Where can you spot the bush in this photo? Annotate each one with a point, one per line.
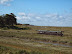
(22, 52)
(5, 28)
(26, 28)
(33, 52)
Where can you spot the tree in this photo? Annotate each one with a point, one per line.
(14, 18)
(1, 21)
(10, 19)
(7, 19)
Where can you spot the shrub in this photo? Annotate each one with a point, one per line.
(5, 28)
(22, 52)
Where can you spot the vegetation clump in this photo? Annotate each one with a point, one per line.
(7, 50)
(8, 20)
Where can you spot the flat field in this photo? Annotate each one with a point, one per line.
(29, 42)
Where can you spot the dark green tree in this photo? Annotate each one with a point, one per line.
(1, 21)
(14, 18)
(10, 19)
(6, 19)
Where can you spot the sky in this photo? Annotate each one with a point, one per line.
(39, 12)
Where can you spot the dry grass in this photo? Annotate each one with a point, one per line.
(26, 39)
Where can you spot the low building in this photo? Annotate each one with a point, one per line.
(50, 32)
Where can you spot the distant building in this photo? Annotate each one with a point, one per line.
(19, 24)
(26, 24)
(50, 32)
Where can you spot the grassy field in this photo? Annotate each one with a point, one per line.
(29, 42)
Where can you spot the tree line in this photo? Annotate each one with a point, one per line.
(8, 20)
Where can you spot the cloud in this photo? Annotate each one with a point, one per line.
(21, 14)
(5, 2)
(38, 17)
(51, 19)
(18, 18)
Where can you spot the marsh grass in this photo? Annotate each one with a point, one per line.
(25, 39)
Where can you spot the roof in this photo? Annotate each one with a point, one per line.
(48, 31)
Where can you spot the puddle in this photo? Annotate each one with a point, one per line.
(54, 44)
(57, 44)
